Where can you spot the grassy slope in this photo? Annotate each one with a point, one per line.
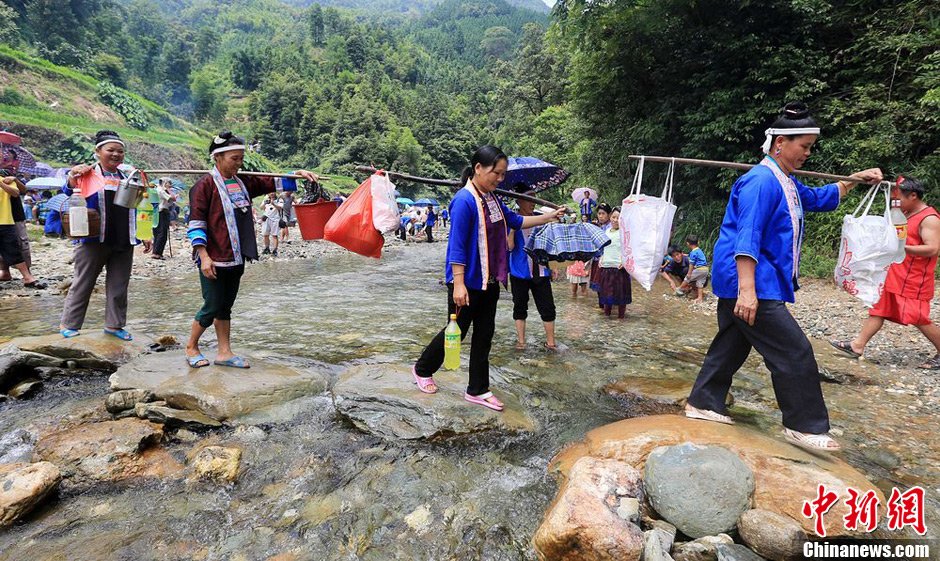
(57, 102)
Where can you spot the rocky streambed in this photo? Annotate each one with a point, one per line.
(324, 449)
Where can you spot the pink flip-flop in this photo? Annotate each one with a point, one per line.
(486, 400)
(424, 383)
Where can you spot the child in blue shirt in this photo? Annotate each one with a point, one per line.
(697, 276)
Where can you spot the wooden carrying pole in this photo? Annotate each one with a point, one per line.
(742, 167)
(206, 171)
(454, 183)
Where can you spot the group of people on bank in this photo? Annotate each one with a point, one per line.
(755, 269)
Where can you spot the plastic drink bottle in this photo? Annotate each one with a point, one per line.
(78, 216)
(145, 220)
(898, 219)
(452, 344)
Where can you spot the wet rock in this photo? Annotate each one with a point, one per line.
(701, 490)
(217, 463)
(16, 446)
(218, 392)
(772, 535)
(249, 433)
(25, 389)
(91, 349)
(123, 400)
(176, 418)
(107, 451)
(23, 486)
(420, 519)
(737, 552)
(668, 391)
(629, 509)
(383, 400)
(184, 435)
(702, 549)
(784, 475)
(582, 523)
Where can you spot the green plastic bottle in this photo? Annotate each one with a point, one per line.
(452, 344)
(144, 220)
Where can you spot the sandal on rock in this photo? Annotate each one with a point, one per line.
(234, 362)
(69, 333)
(706, 415)
(931, 364)
(811, 442)
(120, 334)
(846, 347)
(426, 385)
(486, 400)
(197, 361)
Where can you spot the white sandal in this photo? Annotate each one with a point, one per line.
(706, 415)
(812, 442)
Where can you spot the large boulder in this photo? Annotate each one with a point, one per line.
(23, 486)
(91, 349)
(784, 476)
(701, 490)
(771, 535)
(218, 392)
(583, 523)
(383, 400)
(107, 451)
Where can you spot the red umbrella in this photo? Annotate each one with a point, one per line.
(9, 138)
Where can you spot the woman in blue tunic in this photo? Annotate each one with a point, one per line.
(477, 263)
(755, 271)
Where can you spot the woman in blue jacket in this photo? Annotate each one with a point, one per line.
(755, 271)
(477, 263)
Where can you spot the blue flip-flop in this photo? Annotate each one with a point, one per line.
(234, 362)
(120, 334)
(69, 333)
(195, 360)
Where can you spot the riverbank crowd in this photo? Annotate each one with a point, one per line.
(753, 269)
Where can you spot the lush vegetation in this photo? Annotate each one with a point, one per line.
(415, 85)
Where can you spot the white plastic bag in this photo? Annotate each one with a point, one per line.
(645, 226)
(869, 246)
(385, 215)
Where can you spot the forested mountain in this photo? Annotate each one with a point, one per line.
(416, 85)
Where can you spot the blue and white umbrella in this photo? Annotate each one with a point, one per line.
(58, 203)
(45, 183)
(427, 202)
(404, 201)
(535, 173)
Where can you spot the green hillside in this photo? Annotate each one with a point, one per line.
(57, 111)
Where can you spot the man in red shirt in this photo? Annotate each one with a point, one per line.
(909, 287)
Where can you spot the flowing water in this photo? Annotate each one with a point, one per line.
(313, 485)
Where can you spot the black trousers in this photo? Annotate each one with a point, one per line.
(161, 232)
(541, 288)
(402, 233)
(481, 313)
(787, 353)
(219, 295)
(429, 231)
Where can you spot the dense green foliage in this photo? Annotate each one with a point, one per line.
(124, 104)
(415, 85)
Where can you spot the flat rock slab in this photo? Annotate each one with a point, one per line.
(383, 400)
(218, 392)
(91, 349)
(669, 391)
(784, 476)
(23, 486)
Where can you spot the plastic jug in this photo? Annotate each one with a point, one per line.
(78, 216)
(452, 344)
(145, 221)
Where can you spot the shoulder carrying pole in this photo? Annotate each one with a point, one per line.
(742, 167)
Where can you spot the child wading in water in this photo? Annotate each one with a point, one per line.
(579, 273)
(614, 281)
(698, 270)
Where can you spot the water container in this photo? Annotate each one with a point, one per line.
(145, 221)
(78, 216)
(452, 344)
(130, 191)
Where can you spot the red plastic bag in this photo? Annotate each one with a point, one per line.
(351, 225)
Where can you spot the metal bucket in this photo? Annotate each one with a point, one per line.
(130, 191)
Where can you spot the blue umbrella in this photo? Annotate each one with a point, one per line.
(535, 173)
(404, 201)
(44, 183)
(427, 202)
(59, 203)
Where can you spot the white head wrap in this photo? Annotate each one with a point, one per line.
(771, 133)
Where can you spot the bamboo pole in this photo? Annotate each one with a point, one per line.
(206, 171)
(454, 183)
(742, 167)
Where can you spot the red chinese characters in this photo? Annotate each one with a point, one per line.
(904, 509)
(820, 506)
(907, 509)
(863, 509)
